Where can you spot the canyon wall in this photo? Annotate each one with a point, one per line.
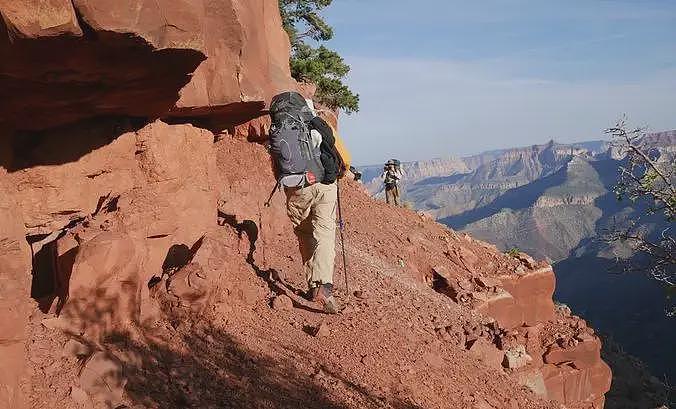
(83, 86)
(132, 188)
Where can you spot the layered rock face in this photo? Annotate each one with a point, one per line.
(131, 206)
(89, 175)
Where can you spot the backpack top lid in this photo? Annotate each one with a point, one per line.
(291, 103)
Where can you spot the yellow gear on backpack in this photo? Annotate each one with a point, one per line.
(342, 151)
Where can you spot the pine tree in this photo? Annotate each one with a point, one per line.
(318, 65)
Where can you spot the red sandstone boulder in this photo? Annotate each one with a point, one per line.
(39, 18)
(532, 293)
(568, 385)
(582, 355)
(487, 353)
(174, 194)
(105, 287)
(164, 24)
(161, 176)
(52, 197)
(501, 306)
(189, 286)
(248, 61)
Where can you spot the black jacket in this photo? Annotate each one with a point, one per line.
(330, 159)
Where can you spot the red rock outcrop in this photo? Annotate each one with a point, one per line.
(553, 353)
(248, 62)
(111, 62)
(63, 63)
(137, 58)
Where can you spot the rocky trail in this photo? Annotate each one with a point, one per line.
(382, 351)
(136, 247)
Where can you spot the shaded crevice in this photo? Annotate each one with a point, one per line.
(50, 272)
(44, 267)
(106, 204)
(87, 31)
(178, 256)
(248, 227)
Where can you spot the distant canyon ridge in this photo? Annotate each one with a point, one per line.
(544, 199)
(552, 201)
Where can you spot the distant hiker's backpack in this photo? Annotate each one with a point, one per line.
(297, 158)
(390, 178)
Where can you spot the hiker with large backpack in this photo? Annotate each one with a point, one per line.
(307, 165)
(391, 176)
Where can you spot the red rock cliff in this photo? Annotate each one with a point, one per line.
(135, 245)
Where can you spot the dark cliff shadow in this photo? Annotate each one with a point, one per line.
(220, 118)
(51, 81)
(518, 198)
(68, 143)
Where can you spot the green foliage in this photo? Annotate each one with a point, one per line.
(320, 66)
(513, 252)
(306, 13)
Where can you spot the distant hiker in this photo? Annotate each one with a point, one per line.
(308, 164)
(391, 176)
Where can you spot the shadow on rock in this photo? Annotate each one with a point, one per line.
(197, 365)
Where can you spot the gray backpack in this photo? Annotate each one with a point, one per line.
(297, 160)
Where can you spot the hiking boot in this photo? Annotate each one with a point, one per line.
(323, 295)
(311, 294)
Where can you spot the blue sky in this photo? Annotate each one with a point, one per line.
(451, 78)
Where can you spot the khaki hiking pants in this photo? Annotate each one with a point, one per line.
(392, 195)
(312, 211)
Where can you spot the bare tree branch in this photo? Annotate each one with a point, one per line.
(650, 183)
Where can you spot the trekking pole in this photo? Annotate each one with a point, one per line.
(272, 193)
(341, 227)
